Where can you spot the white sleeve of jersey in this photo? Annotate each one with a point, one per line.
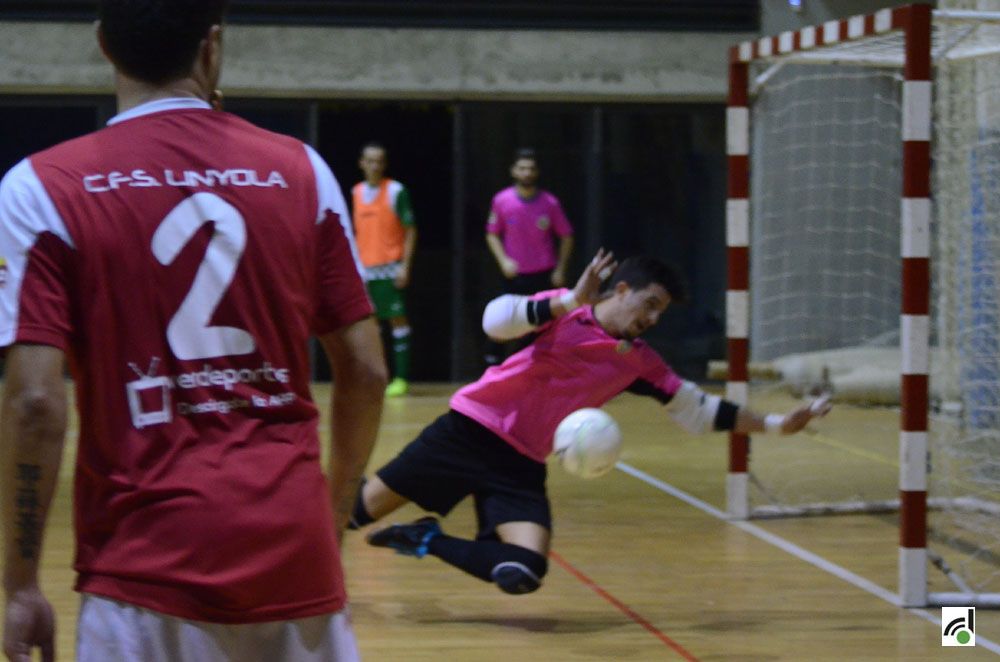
(506, 317)
(332, 198)
(693, 409)
(26, 211)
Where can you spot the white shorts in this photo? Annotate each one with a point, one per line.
(113, 631)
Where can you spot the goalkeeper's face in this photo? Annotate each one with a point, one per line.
(633, 312)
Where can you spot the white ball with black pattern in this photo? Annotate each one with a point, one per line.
(588, 443)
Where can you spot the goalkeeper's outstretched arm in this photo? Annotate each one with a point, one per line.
(511, 316)
(700, 412)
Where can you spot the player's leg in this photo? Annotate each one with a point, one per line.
(530, 535)
(515, 557)
(391, 307)
(515, 568)
(400, 350)
(513, 512)
(425, 472)
(375, 500)
(515, 524)
(522, 571)
(388, 305)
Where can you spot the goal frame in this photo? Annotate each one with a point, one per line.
(914, 22)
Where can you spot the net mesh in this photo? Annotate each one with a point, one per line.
(825, 281)
(966, 453)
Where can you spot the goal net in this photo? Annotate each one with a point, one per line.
(832, 241)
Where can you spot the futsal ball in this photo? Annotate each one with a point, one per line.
(587, 443)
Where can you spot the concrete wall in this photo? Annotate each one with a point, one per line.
(382, 63)
(327, 62)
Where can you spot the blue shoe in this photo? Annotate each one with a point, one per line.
(409, 539)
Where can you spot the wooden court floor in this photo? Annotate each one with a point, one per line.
(642, 568)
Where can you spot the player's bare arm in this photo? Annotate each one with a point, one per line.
(748, 421)
(565, 251)
(32, 431)
(511, 316)
(358, 364)
(699, 412)
(508, 266)
(409, 248)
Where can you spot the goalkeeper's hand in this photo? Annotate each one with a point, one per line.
(796, 420)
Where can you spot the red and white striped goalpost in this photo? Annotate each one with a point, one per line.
(915, 212)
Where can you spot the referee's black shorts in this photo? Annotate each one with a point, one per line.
(456, 456)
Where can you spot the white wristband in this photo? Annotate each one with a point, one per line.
(569, 301)
(773, 423)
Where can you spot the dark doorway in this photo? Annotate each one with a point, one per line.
(31, 126)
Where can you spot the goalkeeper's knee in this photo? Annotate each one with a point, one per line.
(521, 573)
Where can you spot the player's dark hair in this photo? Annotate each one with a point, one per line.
(640, 271)
(156, 41)
(525, 153)
(374, 144)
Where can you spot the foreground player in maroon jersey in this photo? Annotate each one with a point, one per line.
(180, 258)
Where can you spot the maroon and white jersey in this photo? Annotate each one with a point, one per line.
(182, 257)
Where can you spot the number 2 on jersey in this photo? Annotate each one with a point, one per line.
(189, 333)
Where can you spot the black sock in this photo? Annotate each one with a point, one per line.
(476, 557)
(359, 515)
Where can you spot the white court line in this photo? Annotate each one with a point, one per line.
(793, 549)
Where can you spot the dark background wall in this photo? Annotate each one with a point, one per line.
(732, 15)
(633, 179)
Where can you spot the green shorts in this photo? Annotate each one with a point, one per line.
(387, 298)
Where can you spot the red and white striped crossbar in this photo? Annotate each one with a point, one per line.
(915, 23)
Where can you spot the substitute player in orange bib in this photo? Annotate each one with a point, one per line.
(180, 259)
(387, 237)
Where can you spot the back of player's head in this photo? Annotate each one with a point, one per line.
(156, 41)
(525, 153)
(640, 271)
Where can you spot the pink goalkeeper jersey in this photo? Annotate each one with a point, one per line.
(528, 228)
(573, 363)
(182, 257)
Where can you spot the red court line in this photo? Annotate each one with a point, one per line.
(622, 607)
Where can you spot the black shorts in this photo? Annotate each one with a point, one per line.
(454, 457)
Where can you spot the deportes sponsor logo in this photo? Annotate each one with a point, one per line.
(543, 223)
(229, 377)
(958, 626)
(150, 399)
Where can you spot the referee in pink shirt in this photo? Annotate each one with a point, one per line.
(521, 232)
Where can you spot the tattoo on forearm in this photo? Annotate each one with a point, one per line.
(29, 533)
